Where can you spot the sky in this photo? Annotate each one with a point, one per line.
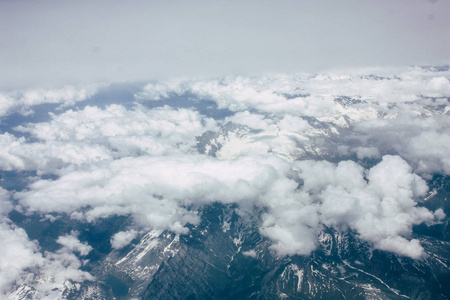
(52, 43)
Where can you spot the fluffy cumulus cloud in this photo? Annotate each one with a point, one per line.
(312, 95)
(19, 154)
(23, 266)
(423, 141)
(381, 209)
(366, 152)
(72, 243)
(123, 238)
(5, 205)
(271, 150)
(156, 190)
(398, 111)
(17, 254)
(92, 123)
(292, 226)
(22, 102)
(93, 134)
(158, 193)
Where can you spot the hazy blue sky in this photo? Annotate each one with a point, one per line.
(57, 42)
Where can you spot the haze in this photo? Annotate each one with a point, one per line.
(48, 43)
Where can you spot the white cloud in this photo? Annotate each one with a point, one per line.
(366, 152)
(396, 111)
(133, 185)
(123, 238)
(9, 147)
(19, 154)
(22, 102)
(318, 175)
(157, 192)
(278, 93)
(430, 150)
(382, 210)
(251, 253)
(59, 267)
(292, 226)
(401, 246)
(374, 93)
(93, 123)
(5, 205)
(93, 134)
(17, 254)
(143, 162)
(22, 264)
(422, 140)
(252, 120)
(403, 88)
(72, 243)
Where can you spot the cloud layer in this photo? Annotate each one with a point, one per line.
(343, 151)
(22, 101)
